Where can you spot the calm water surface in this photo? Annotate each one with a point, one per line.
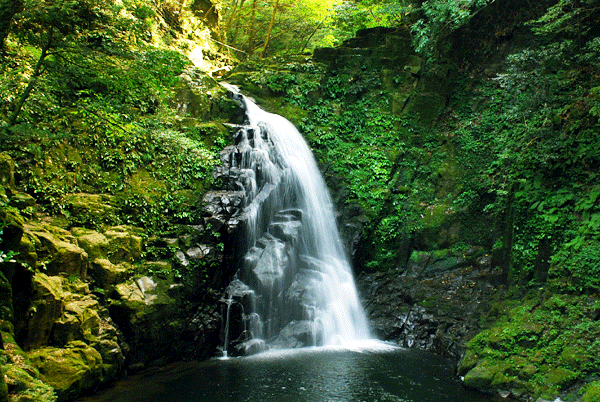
(384, 374)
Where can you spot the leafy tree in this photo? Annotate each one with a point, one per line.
(439, 18)
(277, 26)
(55, 28)
(8, 9)
(270, 31)
(353, 15)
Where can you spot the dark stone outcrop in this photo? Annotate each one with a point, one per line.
(435, 304)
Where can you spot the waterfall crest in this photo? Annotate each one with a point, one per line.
(294, 286)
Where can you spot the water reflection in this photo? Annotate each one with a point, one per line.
(315, 375)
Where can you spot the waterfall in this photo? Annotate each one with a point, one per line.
(294, 284)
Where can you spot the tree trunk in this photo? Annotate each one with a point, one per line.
(311, 35)
(508, 238)
(264, 51)
(37, 71)
(231, 16)
(252, 22)
(237, 24)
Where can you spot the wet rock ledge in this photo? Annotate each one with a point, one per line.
(437, 303)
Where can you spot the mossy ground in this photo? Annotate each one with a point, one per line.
(543, 347)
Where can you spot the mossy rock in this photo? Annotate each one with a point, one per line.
(13, 352)
(95, 244)
(200, 96)
(505, 381)
(161, 269)
(482, 375)
(426, 106)
(3, 387)
(448, 174)
(80, 321)
(58, 247)
(21, 377)
(112, 355)
(91, 210)
(144, 291)
(7, 171)
(47, 306)
(439, 228)
(105, 273)
(468, 361)
(125, 244)
(144, 183)
(21, 200)
(27, 250)
(574, 356)
(70, 370)
(414, 64)
(207, 133)
(592, 392)
(148, 316)
(23, 387)
(427, 264)
(561, 377)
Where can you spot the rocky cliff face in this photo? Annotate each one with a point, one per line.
(441, 277)
(437, 303)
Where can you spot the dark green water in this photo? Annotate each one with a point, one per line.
(300, 376)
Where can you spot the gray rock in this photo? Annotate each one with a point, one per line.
(299, 334)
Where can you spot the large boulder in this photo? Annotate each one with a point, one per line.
(125, 244)
(95, 244)
(200, 96)
(120, 240)
(80, 321)
(63, 313)
(91, 209)
(147, 311)
(70, 370)
(47, 306)
(7, 171)
(59, 249)
(105, 273)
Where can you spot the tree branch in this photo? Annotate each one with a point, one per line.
(37, 72)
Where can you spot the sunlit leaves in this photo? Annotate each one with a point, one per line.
(297, 25)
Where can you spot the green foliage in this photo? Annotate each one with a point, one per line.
(579, 267)
(440, 19)
(6, 256)
(297, 26)
(359, 139)
(351, 16)
(99, 118)
(529, 147)
(567, 17)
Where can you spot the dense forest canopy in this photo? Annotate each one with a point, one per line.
(111, 63)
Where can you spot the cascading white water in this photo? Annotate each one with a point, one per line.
(302, 288)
